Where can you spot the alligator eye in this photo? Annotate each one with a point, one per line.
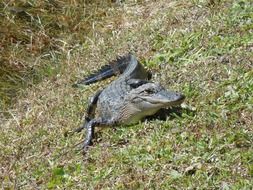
(149, 91)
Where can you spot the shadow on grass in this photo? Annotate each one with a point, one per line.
(171, 113)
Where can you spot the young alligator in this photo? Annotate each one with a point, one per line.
(126, 100)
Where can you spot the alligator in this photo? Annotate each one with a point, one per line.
(126, 100)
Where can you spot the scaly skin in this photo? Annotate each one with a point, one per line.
(126, 100)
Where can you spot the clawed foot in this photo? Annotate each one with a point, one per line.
(85, 147)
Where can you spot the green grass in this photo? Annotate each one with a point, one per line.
(200, 48)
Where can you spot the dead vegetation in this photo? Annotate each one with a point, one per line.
(202, 48)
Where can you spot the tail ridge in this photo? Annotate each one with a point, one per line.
(113, 68)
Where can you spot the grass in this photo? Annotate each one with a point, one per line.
(201, 48)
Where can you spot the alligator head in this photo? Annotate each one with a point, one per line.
(147, 99)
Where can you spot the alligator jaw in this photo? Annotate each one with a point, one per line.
(165, 98)
(154, 96)
(146, 100)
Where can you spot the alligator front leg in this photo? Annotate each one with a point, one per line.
(90, 112)
(90, 126)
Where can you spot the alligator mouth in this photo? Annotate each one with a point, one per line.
(165, 101)
(178, 101)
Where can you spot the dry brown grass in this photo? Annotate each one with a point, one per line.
(192, 151)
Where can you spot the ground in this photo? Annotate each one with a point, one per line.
(202, 48)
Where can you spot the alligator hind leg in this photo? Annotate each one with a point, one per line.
(90, 128)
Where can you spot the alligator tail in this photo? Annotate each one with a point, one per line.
(114, 68)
